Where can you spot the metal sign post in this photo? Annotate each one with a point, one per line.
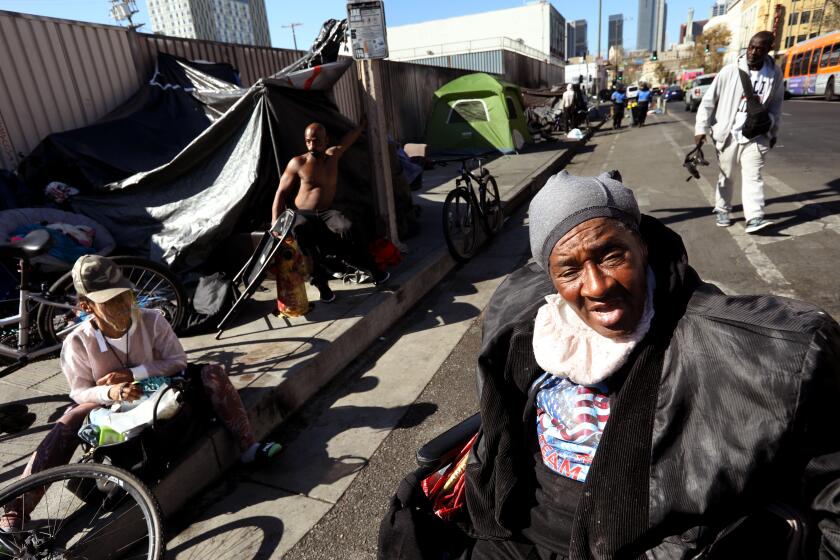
(369, 44)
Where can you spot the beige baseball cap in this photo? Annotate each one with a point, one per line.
(98, 278)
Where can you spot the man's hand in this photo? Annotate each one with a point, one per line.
(700, 139)
(115, 377)
(124, 392)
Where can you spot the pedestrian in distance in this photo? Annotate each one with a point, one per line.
(631, 410)
(104, 360)
(568, 102)
(619, 99)
(741, 111)
(309, 185)
(643, 103)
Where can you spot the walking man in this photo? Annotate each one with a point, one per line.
(723, 113)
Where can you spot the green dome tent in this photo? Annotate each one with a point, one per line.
(477, 113)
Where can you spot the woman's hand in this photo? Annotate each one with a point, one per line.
(117, 376)
(124, 392)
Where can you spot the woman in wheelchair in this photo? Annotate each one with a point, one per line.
(629, 409)
(105, 357)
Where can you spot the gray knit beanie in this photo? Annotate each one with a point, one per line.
(566, 201)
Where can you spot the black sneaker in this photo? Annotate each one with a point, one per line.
(381, 277)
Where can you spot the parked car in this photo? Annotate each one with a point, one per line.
(656, 91)
(632, 92)
(695, 91)
(674, 93)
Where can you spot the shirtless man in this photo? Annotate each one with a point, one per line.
(318, 228)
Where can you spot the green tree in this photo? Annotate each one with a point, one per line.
(661, 73)
(716, 37)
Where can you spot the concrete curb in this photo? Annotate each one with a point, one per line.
(215, 453)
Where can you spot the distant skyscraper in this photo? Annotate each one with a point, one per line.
(653, 17)
(615, 37)
(227, 21)
(576, 38)
(719, 8)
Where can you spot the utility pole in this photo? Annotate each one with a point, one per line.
(292, 27)
(599, 28)
(369, 45)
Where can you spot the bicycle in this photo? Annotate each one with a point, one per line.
(463, 210)
(87, 510)
(55, 310)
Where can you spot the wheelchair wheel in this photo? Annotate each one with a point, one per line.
(124, 521)
(460, 227)
(155, 287)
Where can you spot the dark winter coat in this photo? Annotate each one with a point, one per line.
(730, 403)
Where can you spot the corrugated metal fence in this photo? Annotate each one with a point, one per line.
(58, 75)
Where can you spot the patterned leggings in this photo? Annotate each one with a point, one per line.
(60, 442)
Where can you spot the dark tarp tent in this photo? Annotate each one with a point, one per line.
(176, 105)
(174, 179)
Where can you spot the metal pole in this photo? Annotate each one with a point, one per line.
(599, 28)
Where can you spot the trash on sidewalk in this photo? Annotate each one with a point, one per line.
(575, 134)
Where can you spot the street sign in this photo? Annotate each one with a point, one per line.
(368, 38)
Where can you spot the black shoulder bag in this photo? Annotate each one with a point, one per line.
(758, 117)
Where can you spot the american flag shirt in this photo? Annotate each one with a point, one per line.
(570, 421)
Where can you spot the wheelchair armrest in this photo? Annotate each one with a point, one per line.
(444, 447)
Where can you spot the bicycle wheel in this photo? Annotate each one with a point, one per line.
(155, 287)
(492, 210)
(459, 225)
(123, 521)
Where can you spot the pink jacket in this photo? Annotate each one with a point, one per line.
(153, 349)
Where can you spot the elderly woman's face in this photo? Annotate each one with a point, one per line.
(599, 269)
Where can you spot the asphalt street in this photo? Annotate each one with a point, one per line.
(797, 257)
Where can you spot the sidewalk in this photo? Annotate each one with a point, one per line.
(275, 364)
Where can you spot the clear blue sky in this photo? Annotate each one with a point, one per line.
(312, 13)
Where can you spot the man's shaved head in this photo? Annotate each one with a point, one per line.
(316, 128)
(764, 37)
(316, 139)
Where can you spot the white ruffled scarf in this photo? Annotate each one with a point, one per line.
(565, 346)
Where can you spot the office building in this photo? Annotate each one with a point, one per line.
(653, 17)
(615, 35)
(719, 9)
(226, 21)
(576, 38)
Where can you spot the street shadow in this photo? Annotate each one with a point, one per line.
(252, 538)
(814, 207)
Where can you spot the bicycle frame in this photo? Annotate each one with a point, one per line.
(467, 177)
(23, 320)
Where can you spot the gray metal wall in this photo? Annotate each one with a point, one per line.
(58, 75)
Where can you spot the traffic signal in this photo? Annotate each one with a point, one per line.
(654, 56)
(707, 51)
(620, 76)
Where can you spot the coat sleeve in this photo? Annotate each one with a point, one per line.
(76, 366)
(169, 355)
(706, 109)
(819, 407)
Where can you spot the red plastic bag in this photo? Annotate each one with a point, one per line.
(384, 253)
(445, 488)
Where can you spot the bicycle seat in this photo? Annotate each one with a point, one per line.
(36, 242)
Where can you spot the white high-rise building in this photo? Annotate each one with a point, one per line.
(226, 21)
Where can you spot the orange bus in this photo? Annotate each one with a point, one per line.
(812, 67)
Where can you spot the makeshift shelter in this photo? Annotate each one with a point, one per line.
(179, 102)
(477, 113)
(207, 156)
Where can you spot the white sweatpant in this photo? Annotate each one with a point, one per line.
(750, 158)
